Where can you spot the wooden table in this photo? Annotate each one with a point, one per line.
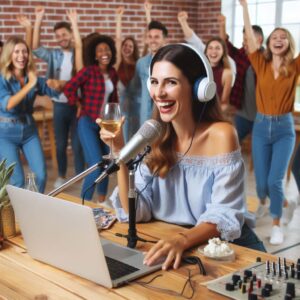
(21, 277)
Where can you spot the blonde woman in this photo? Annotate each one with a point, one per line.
(273, 136)
(19, 85)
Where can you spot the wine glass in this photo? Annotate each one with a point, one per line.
(111, 121)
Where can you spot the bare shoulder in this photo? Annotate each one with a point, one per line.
(227, 72)
(222, 138)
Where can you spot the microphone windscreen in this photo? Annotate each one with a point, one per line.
(150, 130)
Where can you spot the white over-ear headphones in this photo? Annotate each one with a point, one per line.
(204, 88)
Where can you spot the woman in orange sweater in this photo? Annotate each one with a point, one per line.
(273, 135)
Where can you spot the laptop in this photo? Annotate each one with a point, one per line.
(64, 234)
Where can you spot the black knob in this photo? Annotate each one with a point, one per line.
(229, 286)
(258, 259)
(293, 272)
(265, 292)
(269, 286)
(236, 278)
(248, 273)
(290, 289)
(252, 297)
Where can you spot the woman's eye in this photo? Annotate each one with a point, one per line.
(153, 81)
(172, 82)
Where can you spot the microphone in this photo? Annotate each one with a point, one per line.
(149, 132)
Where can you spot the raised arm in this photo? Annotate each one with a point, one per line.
(119, 14)
(73, 17)
(189, 34)
(222, 27)
(20, 95)
(183, 21)
(39, 14)
(25, 22)
(251, 43)
(148, 9)
(227, 84)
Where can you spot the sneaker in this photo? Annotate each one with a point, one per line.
(59, 181)
(288, 212)
(276, 235)
(261, 210)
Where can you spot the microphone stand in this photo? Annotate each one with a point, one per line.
(132, 236)
(101, 164)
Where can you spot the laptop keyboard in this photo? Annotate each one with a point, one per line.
(118, 269)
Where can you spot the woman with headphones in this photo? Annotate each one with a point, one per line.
(194, 175)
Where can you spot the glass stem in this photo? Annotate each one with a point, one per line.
(111, 150)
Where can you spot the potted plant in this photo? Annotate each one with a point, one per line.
(7, 216)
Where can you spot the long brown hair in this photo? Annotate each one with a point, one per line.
(224, 59)
(163, 155)
(6, 66)
(135, 54)
(287, 57)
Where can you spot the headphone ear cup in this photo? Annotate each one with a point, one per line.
(203, 89)
(148, 84)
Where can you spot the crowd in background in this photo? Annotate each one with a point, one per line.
(255, 88)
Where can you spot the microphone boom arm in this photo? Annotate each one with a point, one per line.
(77, 178)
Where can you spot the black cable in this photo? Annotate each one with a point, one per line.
(147, 285)
(181, 158)
(85, 191)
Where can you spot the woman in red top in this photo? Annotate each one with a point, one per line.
(216, 52)
(98, 84)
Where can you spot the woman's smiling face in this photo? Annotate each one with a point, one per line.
(19, 56)
(170, 91)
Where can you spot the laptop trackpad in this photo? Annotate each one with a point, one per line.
(117, 252)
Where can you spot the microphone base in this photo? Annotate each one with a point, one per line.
(132, 239)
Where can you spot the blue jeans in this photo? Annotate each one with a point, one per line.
(273, 140)
(64, 118)
(16, 137)
(249, 239)
(296, 167)
(93, 149)
(243, 127)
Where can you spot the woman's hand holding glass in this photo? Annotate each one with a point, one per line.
(113, 139)
(110, 123)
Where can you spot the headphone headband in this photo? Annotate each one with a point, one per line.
(204, 88)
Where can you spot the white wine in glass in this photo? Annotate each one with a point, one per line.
(111, 125)
(111, 121)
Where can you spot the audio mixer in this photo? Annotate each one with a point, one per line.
(274, 280)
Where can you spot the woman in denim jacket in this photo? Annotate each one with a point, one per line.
(19, 86)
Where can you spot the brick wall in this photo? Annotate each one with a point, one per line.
(99, 16)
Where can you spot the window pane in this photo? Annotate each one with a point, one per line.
(290, 12)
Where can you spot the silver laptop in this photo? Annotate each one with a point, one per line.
(64, 234)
